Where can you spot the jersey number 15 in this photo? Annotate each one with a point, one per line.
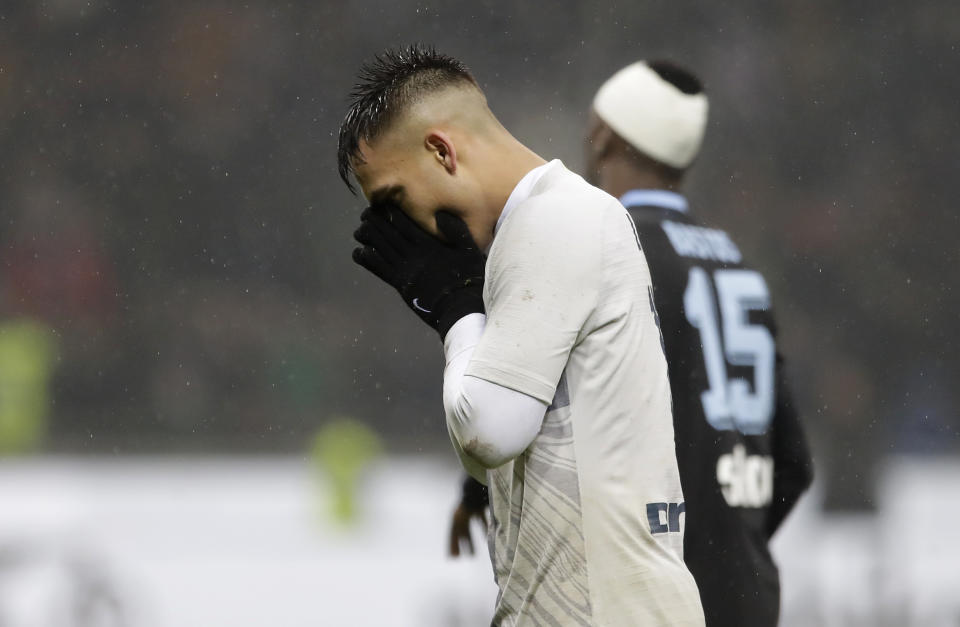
(728, 337)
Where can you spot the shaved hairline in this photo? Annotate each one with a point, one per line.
(415, 116)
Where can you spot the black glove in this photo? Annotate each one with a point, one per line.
(474, 495)
(440, 281)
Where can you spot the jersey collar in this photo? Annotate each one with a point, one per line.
(523, 190)
(655, 198)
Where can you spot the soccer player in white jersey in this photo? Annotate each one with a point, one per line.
(555, 388)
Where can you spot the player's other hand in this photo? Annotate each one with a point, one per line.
(441, 281)
(474, 500)
(460, 527)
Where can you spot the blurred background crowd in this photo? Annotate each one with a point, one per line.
(175, 270)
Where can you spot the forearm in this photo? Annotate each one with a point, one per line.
(791, 452)
(489, 423)
(789, 484)
(793, 474)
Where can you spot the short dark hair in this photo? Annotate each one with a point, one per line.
(679, 77)
(384, 88)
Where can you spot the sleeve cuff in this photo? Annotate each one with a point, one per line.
(521, 382)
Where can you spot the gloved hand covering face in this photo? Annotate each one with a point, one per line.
(441, 281)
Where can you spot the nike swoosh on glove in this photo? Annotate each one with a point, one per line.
(441, 281)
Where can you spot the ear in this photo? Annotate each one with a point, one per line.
(441, 147)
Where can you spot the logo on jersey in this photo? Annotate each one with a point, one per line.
(745, 480)
(665, 517)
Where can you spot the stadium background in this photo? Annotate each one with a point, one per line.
(176, 290)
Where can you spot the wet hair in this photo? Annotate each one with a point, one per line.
(385, 87)
(681, 78)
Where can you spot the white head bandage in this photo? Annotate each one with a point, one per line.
(652, 115)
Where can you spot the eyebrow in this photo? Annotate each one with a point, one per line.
(392, 194)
